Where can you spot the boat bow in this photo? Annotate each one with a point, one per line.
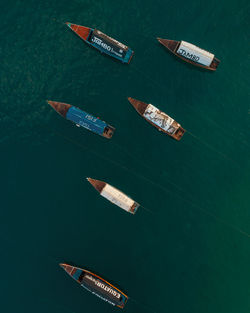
(169, 44)
(97, 184)
(138, 105)
(67, 268)
(59, 107)
(81, 31)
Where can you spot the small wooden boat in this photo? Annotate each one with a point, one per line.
(158, 119)
(114, 195)
(191, 53)
(97, 285)
(103, 43)
(83, 119)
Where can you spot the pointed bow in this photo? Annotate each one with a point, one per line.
(138, 105)
(81, 31)
(169, 44)
(97, 184)
(59, 107)
(68, 268)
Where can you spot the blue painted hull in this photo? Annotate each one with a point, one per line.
(83, 119)
(103, 43)
(104, 49)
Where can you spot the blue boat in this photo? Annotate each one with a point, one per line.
(102, 42)
(83, 119)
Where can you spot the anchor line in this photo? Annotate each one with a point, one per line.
(194, 205)
(204, 117)
(143, 305)
(147, 166)
(148, 210)
(212, 148)
(156, 184)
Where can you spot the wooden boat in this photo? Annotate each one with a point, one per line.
(97, 285)
(103, 43)
(158, 119)
(114, 195)
(83, 119)
(191, 53)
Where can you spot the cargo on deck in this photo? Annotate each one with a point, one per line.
(158, 119)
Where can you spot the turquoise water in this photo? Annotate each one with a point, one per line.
(191, 255)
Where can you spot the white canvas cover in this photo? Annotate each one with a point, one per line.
(117, 197)
(195, 54)
(160, 119)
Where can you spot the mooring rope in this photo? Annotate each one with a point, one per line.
(147, 307)
(194, 205)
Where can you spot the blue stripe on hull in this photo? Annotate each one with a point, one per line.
(86, 120)
(77, 274)
(126, 58)
(123, 60)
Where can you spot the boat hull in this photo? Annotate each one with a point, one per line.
(141, 108)
(96, 285)
(103, 43)
(83, 119)
(172, 45)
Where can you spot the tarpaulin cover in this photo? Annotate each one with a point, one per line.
(117, 197)
(195, 54)
(86, 120)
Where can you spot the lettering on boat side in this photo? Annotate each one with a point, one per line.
(99, 42)
(188, 55)
(94, 293)
(109, 44)
(103, 286)
(103, 298)
(91, 118)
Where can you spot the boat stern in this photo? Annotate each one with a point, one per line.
(179, 133)
(134, 208)
(128, 56)
(108, 132)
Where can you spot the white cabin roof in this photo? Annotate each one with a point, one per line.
(117, 197)
(195, 53)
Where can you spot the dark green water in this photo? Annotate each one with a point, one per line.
(192, 254)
